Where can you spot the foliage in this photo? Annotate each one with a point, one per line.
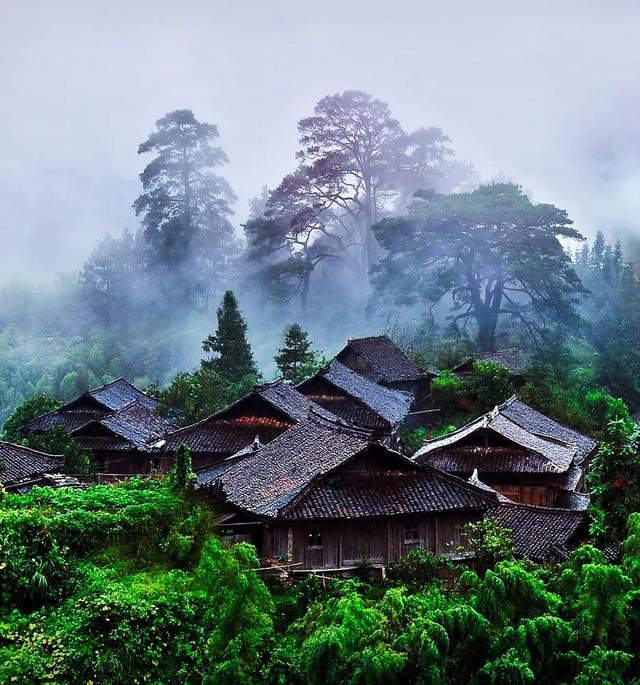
(497, 255)
(76, 460)
(491, 384)
(29, 409)
(613, 477)
(355, 161)
(447, 388)
(190, 397)
(416, 568)
(181, 477)
(121, 584)
(296, 360)
(185, 207)
(234, 361)
(488, 540)
(412, 440)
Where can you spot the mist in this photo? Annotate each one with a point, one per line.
(538, 93)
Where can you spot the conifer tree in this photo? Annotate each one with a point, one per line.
(296, 359)
(234, 360)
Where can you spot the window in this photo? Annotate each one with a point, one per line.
(411, 536)
(314, 539)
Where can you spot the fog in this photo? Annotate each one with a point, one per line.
(544, 94)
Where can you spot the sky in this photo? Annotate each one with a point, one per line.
(543, 93)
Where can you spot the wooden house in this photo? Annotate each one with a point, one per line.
(357, 400)
(380, 360)
(514, 361)
(93, 404)
(542, 534)
(253, 420)
(126, 440)
(22, 468)
(326, 496)
(528, 467)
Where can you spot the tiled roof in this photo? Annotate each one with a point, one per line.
(542, 533)
(69, 420)
(387, 494)
(513, 360)
(532, 420)
(133, 426)
(265, 481)
(463, 459)
(569, 499)
(559, 455)
(392, 405)
(106, 399)
(232, 429)
(119, 393)
(19, 464)
(387, 362)
(475, 480)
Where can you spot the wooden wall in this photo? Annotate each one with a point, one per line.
(345, 544)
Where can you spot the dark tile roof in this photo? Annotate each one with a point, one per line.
(233, 428)
(463, 459)
(536, 422)
(387, 494)
(20, 464)
(392, 405)
(569, 499)
(69, 420)
(135, 426)
(475, 480)
(558, 455)
(92, 405)
(266, 480)
(541, 533)
(119, 393)
(514, 361)
(386, 361)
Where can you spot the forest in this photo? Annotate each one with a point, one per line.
(376, 229)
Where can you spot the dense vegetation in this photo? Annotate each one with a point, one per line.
(129, 584)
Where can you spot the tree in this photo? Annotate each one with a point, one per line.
(355, 163)
(182, 477)
(186, 205)
(296, 360)
(495, 254)
(234, 361)
(613, 477)
(108, 277)
(25, 411)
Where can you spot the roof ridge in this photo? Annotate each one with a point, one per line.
(340, 424)
(58, 457)
(544, 510)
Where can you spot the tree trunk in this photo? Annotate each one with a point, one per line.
(304, 290)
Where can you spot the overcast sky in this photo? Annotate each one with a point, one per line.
(546, 93)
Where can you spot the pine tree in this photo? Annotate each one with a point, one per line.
(234, 361)
(296, 360)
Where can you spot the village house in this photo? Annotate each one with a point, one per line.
(514, 361)
(125, 441)
(91, 405)
(22, 468)
(357, 400)
(519, 452)
(326, 496)
(380, 360)
(116, 423)
(253, 420)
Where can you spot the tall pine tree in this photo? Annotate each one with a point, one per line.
(234, 360)
(296, 360)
